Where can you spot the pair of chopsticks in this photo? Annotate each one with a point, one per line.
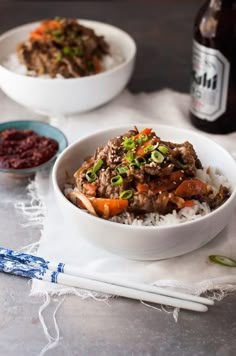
(30, 266)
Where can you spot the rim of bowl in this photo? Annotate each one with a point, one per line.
(125, 226)
(85, 78)
(43, 165)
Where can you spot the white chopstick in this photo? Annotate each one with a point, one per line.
(128, 292)
(26, 270)
(74, 271)
(39, 262)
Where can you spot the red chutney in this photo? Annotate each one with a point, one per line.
(25, 149)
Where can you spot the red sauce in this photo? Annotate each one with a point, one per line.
(25, 149)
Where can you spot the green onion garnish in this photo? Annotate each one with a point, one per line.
(178, 164)
(77, 51)
(142, 138)
(91, 176)
(97, 165)
(150, 148)
(163, 149)
(117, 180)
(129, 157)
(67, 50)
(57, 33)
(134, 164)
(223, 260)
(140, 161)
(157, 157)
(126, 194)
(122, 169)
(129, 143)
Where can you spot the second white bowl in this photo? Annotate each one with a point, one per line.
(67, 96)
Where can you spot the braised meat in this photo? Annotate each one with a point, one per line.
(144, 174)
(63, 47)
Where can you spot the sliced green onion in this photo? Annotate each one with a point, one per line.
(179, 164)
(150, 148)
(129, 157)
(163, 149)
(91, 176)
(57, 18)
(97, 165)
(122, 169)
(67, 50)
(117, 180)
(142, 138)
(140, 161)
(78, 51)
(57, 33)
(157, 157)
(129, 143)
(223, 260)
(134, 164)
(126, 194)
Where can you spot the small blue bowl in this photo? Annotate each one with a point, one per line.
(41, 129)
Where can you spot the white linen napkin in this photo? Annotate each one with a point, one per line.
(192, 272)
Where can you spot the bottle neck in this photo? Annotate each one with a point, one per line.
(212, 15)
(218, 4)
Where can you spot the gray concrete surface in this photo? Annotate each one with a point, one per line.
(120, 327)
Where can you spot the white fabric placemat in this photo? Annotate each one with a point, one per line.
(192, 272)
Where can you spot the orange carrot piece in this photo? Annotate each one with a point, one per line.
(39, 32)
(141, 150)
(145, 131)
(142, 187)
(189, 203)
(116, 206)
(90, 189)
(97, 65)
(190, 188)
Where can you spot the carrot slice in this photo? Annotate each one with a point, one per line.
(190, 188)
(189, 203)
(97, 65)
(142, 187)
(90, 189)
(116, 206)
(141, 150)
(145, 131)
(39, 32)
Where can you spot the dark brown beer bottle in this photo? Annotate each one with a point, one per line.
(213, 80)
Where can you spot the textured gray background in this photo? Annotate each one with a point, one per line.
(163, 31)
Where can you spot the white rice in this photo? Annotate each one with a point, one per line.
(108, 62)
(209, 176)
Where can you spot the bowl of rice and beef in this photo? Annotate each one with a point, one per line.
(146, 193)
(64, 66)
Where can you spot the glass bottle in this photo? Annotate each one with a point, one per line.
(213, 77)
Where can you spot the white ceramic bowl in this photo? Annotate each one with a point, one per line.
(67, 96)
(140, 242)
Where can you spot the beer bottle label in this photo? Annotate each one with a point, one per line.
(210, 79)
